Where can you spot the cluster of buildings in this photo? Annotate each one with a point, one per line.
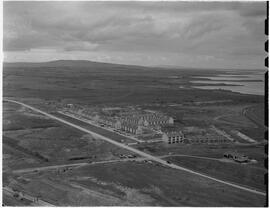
(137, 122)
(172, 137)
(197, 135)
(131, 121)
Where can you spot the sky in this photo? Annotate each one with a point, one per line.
(190, 34)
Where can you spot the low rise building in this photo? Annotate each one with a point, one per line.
(195, 135)
(172, 137)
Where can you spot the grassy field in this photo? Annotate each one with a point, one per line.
(14, 119)
(128, 183)
(215, 151)
(173, 188)
(256, 114)
(49, 143)
(31, 140)
(102, 84)
(133, 184)
(248, 175)
(11, 201)
(101, 131)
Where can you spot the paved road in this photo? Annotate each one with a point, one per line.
(89, 122)
(26, 170)
(107, 129)
(51, 167)
(143, 154)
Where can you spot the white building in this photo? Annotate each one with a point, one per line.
(173, 137)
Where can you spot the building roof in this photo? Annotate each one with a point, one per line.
(174, 133)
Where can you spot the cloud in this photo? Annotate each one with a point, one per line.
(220, 30)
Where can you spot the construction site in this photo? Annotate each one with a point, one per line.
(146, 125)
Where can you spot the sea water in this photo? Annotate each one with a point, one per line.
(245, 86)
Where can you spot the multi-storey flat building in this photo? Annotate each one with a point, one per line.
(136, 122)
(149, 119)
(172, 137)
(131, 128)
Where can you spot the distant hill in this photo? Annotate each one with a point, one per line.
(93, 64)
(62, 63)
(72, 64)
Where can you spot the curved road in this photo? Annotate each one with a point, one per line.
(148, 156)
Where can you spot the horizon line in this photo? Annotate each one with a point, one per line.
(148, 66)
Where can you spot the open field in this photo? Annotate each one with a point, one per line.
(50, 145)
(216, 151)
(101, 84)
(14, 117)
(256, 114)
(32, 140)
(245, 174)
(132, 184)
(9, 200)
(145, 197)
(132, 149)
(101, 131)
